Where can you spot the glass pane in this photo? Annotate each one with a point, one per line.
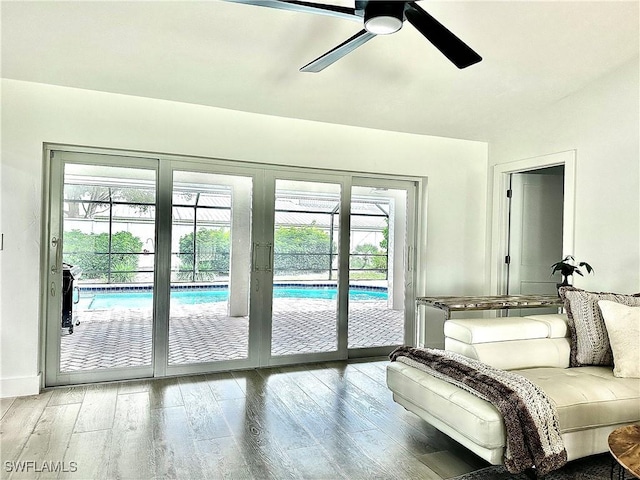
(81, 192)
(137, 195)
(305, 262)
(376, 267)
(184, 198)
(221, 199)
(108, 254)
(209, 308)
(123, 213)
(215, 217)
(87, 210)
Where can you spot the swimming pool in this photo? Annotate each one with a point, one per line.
(144, 299)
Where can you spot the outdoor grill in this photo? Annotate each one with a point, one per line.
(69, 274)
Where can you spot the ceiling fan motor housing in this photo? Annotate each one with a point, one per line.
(382, 18)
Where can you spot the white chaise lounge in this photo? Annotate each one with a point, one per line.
(590, 400)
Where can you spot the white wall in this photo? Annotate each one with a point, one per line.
(602, 123)
(35, 113)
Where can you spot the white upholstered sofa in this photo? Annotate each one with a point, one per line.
(590, 400)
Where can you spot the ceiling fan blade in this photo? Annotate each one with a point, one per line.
(337, 53)
(306, 7)
(451, 46)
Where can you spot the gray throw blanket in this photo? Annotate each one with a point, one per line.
(530, 417)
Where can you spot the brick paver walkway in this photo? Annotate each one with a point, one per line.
(203, 333)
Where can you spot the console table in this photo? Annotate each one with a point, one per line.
(483, 302)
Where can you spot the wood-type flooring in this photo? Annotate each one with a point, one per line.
(322, 421)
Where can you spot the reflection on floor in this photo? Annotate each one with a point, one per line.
(323, 421)
(204, 333)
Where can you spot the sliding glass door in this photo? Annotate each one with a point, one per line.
(101, 268)
(174, 266)
(210, 268)
(306, 256)
(381, 264)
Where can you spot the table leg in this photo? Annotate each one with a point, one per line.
(622, 474)
(420, 327)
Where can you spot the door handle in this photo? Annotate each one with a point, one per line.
(55, 268)
(269, 257)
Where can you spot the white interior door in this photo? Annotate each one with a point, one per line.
(535, 240)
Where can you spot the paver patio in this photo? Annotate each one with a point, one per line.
(119, 338)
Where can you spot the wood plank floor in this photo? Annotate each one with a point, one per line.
(322, 421)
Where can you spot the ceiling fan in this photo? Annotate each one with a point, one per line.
(379, 18)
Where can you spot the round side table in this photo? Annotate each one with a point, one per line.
(624, 445)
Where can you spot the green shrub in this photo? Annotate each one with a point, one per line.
(90, 252)
(211, 256)
(367, 257)
(301, 249)
(384, 243)
(298, 249)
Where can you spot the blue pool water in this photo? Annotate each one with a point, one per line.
(103, 301)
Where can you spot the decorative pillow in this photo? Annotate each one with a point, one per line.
(589, 339)
(623, 328)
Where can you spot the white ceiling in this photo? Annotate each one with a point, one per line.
(245, 57)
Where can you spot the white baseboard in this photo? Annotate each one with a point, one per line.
(19, 386)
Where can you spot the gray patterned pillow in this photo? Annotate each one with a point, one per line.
(589, 339)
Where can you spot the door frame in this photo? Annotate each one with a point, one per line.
(267, 278)
(553, 184)
(164, 182)
(500, 214)
(52, 280)
(410, 255)
(162, 367)
(347, 181)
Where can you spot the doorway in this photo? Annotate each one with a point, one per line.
(185, 266)
(533, 219)
(536, 202)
